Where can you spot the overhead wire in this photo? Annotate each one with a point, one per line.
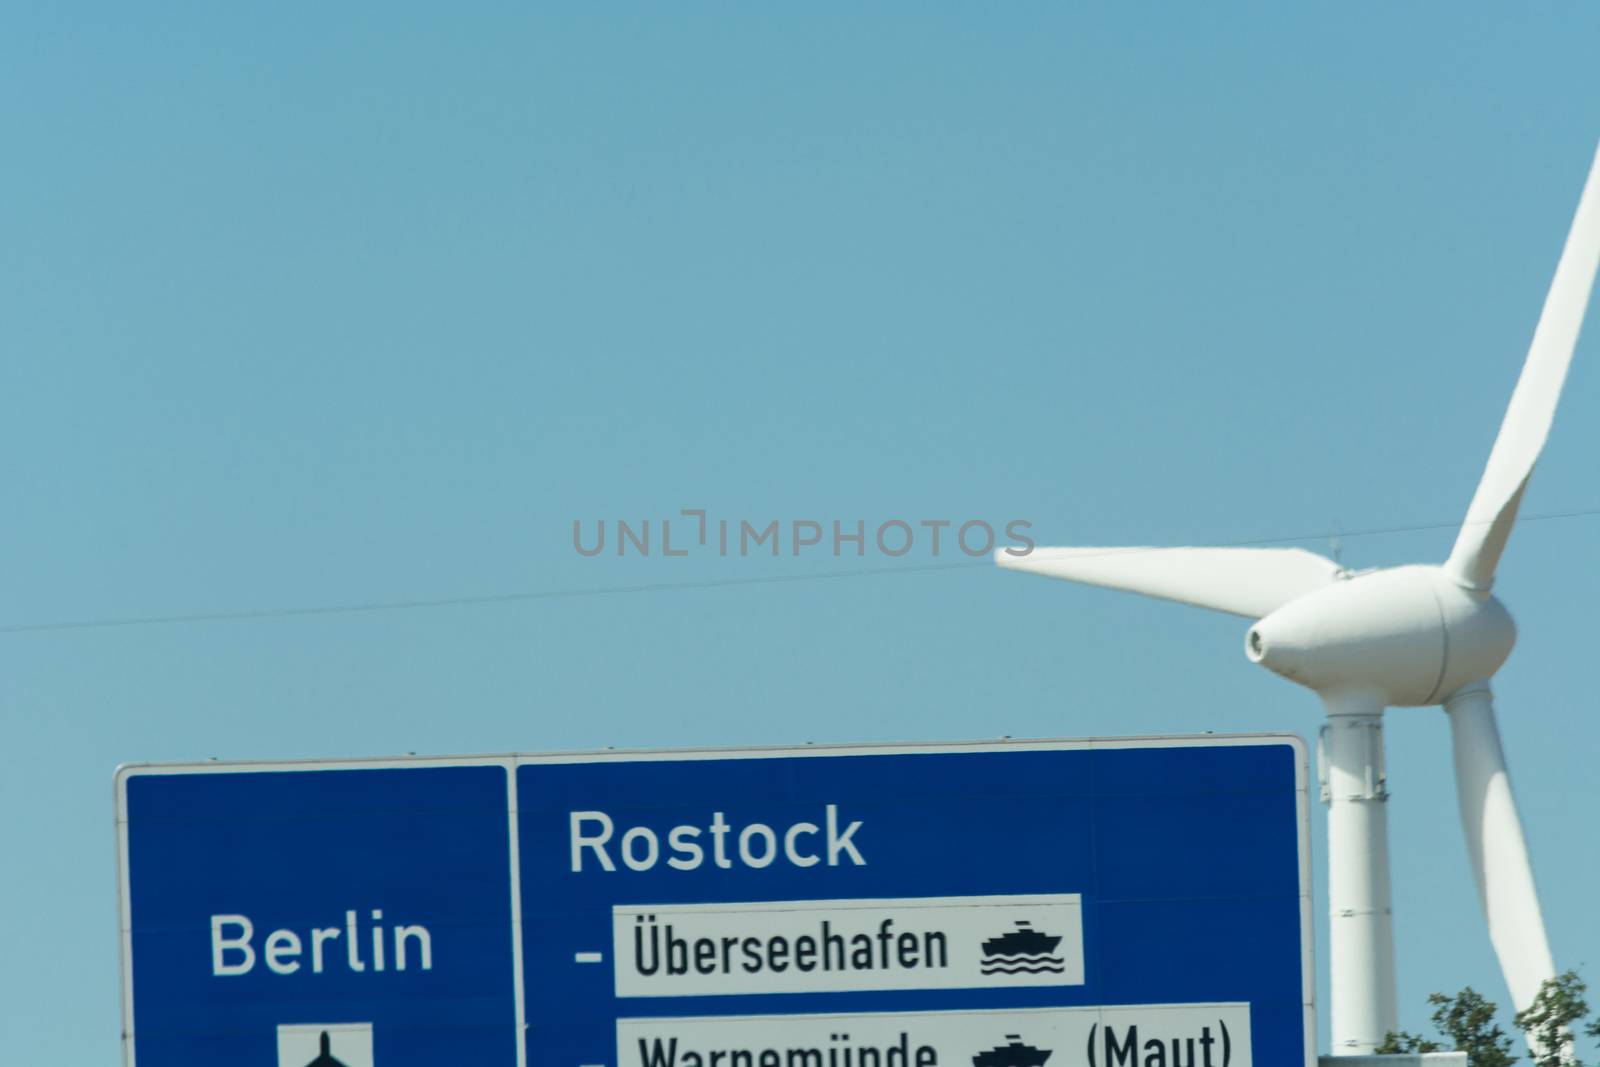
(379, 606)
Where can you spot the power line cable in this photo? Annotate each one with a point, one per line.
(492, 598)
(376, 606)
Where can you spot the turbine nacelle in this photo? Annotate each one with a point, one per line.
(1407, 636)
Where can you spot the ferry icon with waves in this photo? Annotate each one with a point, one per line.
(1012, 1054)
(1022, 951)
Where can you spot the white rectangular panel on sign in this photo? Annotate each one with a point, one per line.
(820, 946)
(1204, 1035)
(316, 1044)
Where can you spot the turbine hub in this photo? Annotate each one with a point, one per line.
(1412, 634)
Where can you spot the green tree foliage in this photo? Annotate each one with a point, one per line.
(1466, 1020)
(1548, 1021)
(1400, 1041)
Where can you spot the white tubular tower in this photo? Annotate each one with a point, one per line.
(1360, 926)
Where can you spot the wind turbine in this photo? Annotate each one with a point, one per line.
(1407, 636)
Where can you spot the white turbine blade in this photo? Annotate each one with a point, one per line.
(1493, 510)
(1496, 848)
(1242, 581)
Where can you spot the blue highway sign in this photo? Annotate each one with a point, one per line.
(1093, 903)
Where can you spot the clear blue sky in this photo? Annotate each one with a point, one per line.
(311, 306)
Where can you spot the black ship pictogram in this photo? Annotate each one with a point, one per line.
(1023, 950)
(1012, 1054)
(1024, 940)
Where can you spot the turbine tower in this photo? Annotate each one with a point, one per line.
(1407, 636)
